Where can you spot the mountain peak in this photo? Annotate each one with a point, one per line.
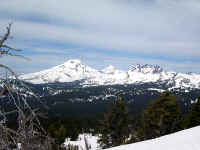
(109, 69)
(73, 61)
(147, 68)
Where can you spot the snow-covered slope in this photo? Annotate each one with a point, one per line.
(73, 70)
(183, 140)
(80, 142)
(69, 71)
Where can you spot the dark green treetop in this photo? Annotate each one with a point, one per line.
(114, 126)
(161, 117)
(193, 118)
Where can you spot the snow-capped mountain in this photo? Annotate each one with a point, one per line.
(69, 71)
(74, 70)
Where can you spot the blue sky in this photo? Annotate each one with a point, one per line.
(102, 32)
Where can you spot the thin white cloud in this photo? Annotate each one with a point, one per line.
(145, 45)
(155, 27)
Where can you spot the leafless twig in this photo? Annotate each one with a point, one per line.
(30, 135)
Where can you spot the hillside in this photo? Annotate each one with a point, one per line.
(183, 140)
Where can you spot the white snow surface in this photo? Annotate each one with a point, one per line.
(80, 142)
(74, 69)
(183, 140)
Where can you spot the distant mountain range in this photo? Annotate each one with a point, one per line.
(75, 70)
(74, 86)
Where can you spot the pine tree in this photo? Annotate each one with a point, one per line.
(193, 118)
(58, 133)
(114, 126)
(161, 117)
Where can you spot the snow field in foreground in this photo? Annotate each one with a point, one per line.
(183, 140)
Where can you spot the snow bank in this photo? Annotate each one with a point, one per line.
(183, 140)
(92, 142)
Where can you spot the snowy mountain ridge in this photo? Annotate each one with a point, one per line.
(74, 70)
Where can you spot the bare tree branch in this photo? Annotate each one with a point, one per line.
(10, 70)
(30, 134)
(5, 37)
(11, 48)
(19, 56)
